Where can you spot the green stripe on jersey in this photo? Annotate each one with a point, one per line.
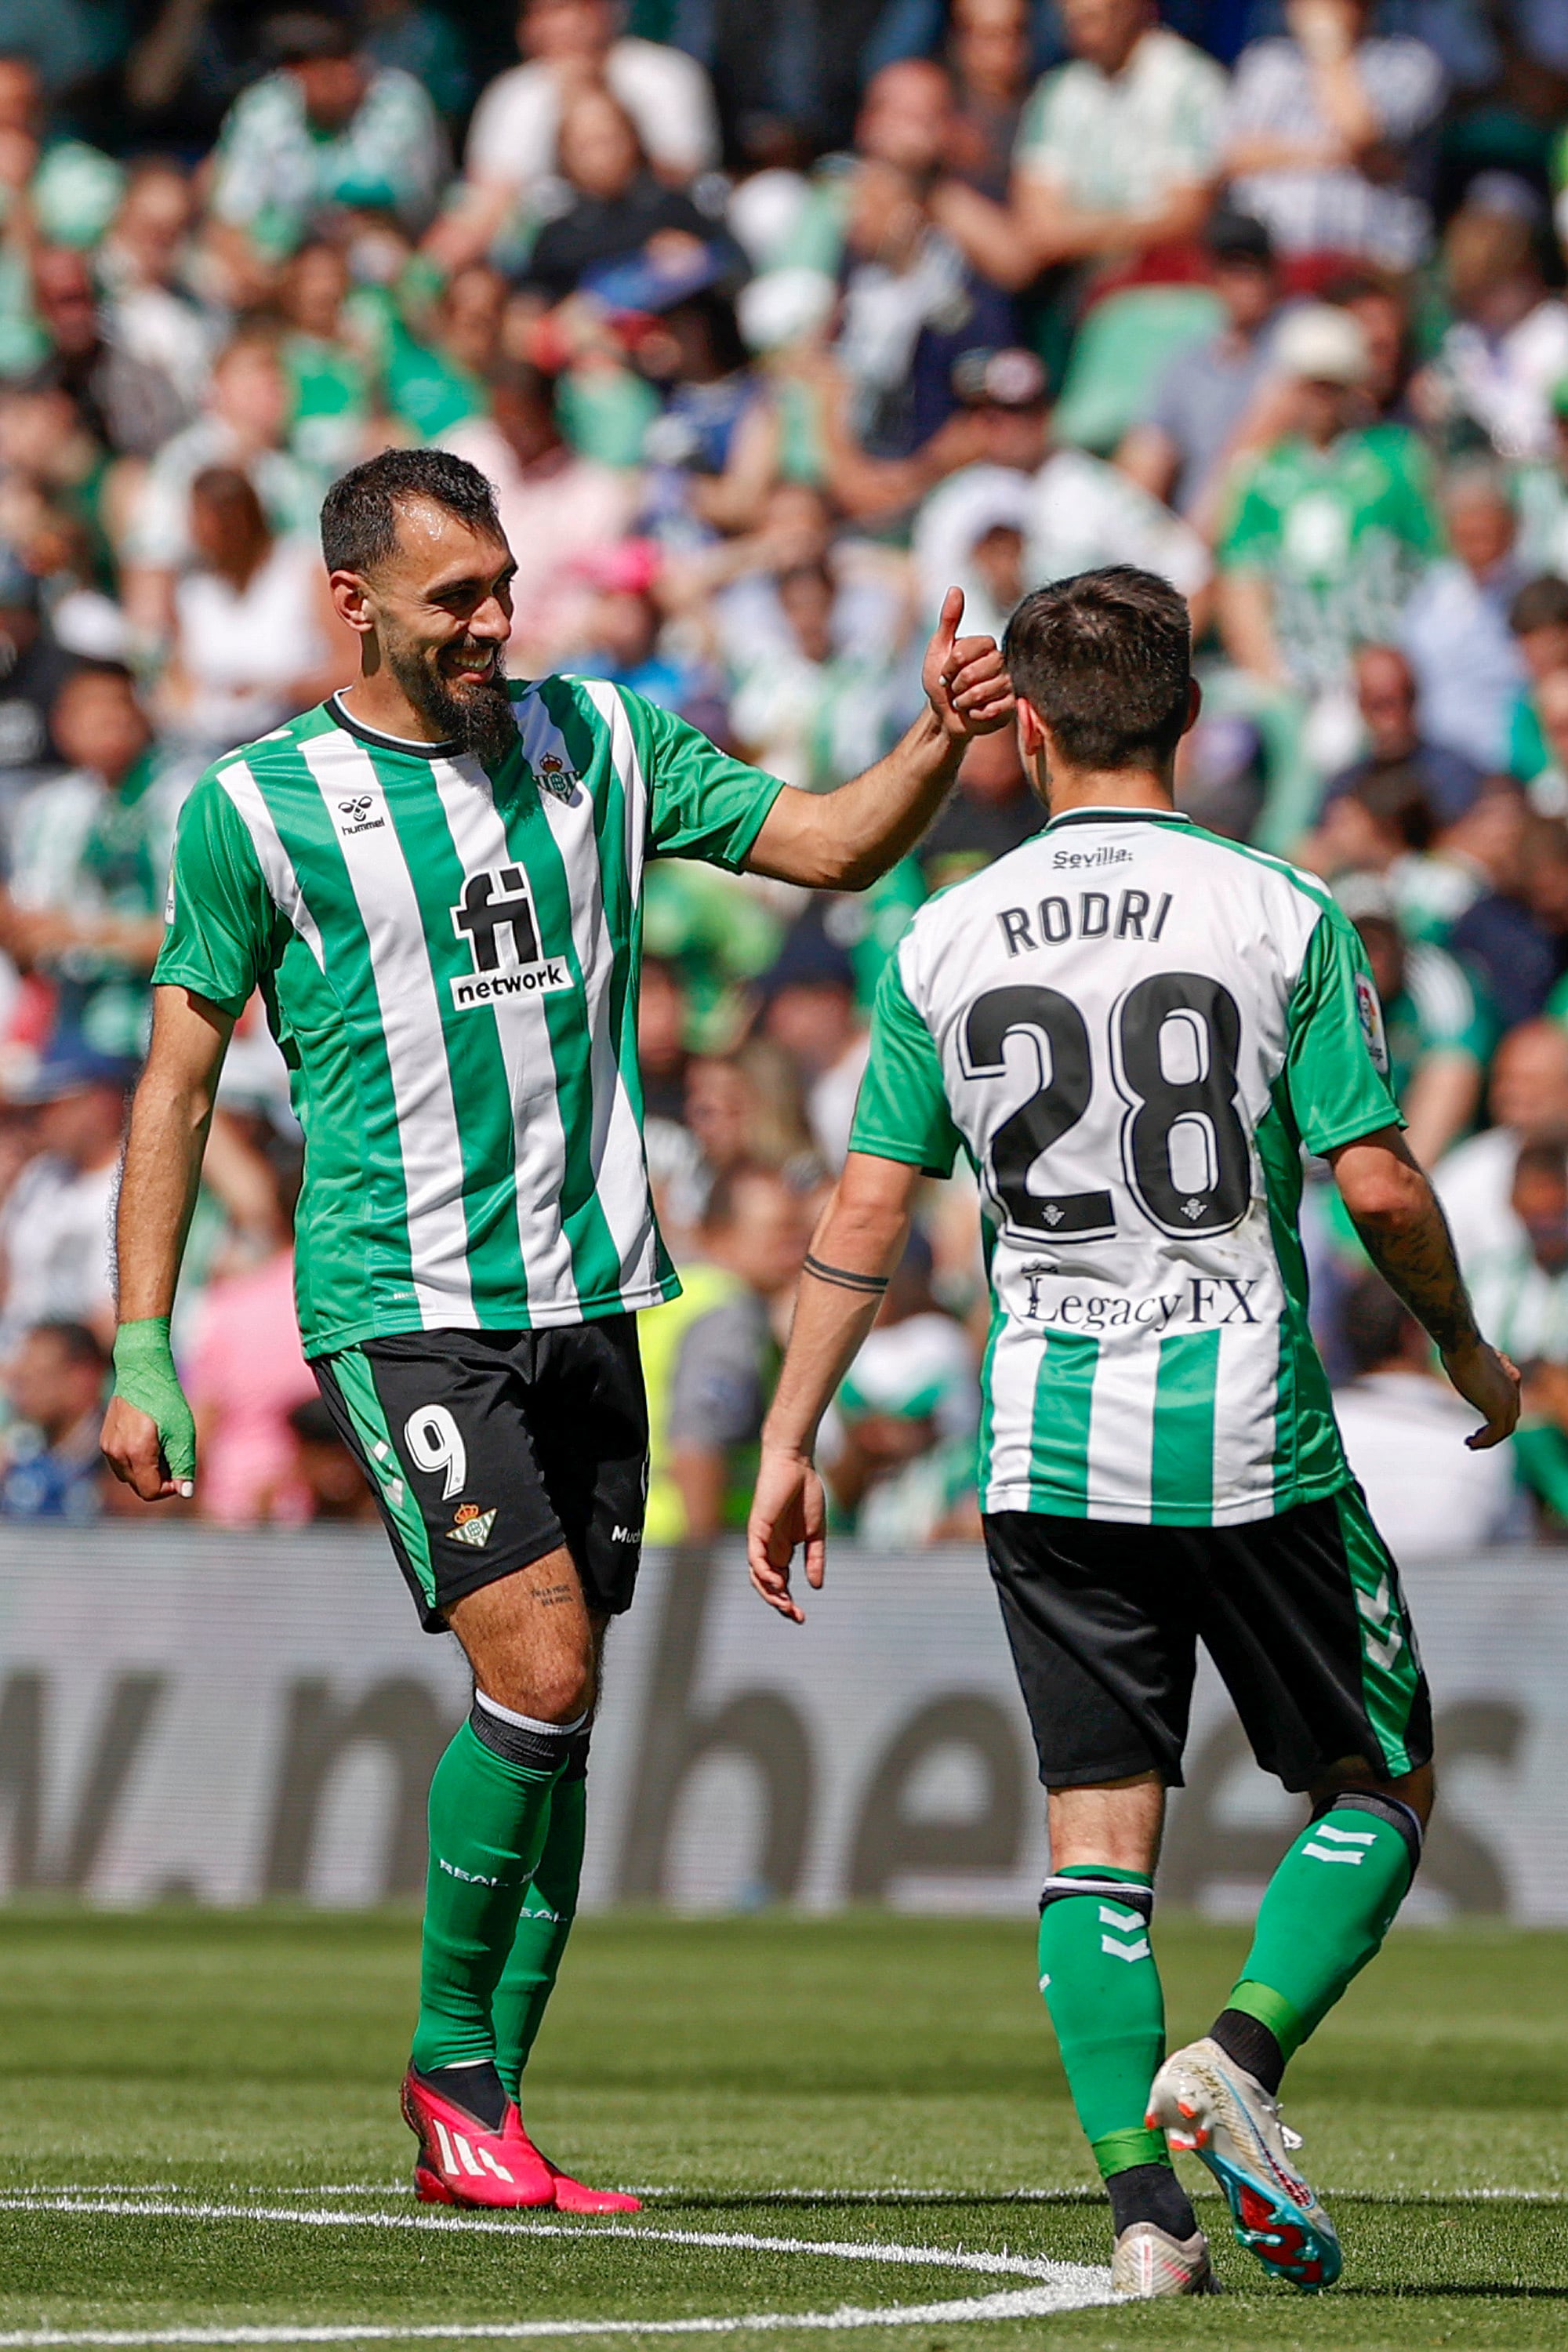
(1182, 1475)
(1064, 1392)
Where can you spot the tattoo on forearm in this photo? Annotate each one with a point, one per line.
(1419, 1267)
(871, 1285)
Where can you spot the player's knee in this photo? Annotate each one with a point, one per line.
(1389, 1801)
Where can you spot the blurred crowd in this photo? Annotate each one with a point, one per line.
(769, 322)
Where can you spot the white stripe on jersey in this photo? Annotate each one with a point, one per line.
(276, 866)
(1122, 1424)
(615, 1146)
(522, 1032)
(411, 1028)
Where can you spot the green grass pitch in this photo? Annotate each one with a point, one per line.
(865, 2083)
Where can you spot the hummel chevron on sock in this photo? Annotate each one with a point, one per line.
(544, 1923)
(1325, 1912)
(489, 1812)
(1102, 1989)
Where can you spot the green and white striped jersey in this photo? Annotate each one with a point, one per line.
(448, 955)
(1132, 1027)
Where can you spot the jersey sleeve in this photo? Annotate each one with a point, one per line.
(220, 914)
(701, 802)
(903, 1111)
(1336, 1059)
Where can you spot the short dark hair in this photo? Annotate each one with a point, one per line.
(1397, 798)
(1541, 604)
(359, 513)
(1373, 1323)
(1106, 659)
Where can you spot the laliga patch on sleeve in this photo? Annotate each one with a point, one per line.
(1370, 1012)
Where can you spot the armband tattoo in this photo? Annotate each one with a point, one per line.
(871, 1284)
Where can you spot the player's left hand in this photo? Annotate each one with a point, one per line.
(968, 690)
(787, 1509)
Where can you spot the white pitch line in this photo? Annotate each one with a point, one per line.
(947, 2258)
(1032, 2303)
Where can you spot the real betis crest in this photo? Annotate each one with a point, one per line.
(553, 775)
(473, 1527)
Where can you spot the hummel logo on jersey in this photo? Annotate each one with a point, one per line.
(495, 915)
(472, 1526)
(354, 817)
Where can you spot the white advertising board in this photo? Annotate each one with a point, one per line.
(220, 1718)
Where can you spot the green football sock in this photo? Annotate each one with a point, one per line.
(1325, 1912)
(528, 1978)
(1102, 1989)
(488, 1820)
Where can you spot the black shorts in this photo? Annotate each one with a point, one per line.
(1303, 1614)
(488, 1449)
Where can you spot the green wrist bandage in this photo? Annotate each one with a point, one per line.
(145, 1377)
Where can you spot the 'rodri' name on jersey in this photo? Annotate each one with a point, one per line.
(1089, 914)
(495, 915)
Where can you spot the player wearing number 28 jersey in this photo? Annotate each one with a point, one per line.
(1131, 1027)
(1135, 1031)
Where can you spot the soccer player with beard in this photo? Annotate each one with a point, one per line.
(434, 878)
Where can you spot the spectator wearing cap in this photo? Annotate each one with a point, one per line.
(326, 131)
(1119, 148)
(1073, 512)
(807, 1009)
(548, 498)
(1177, 452)
(1438, 1036)
(1386, 703)
(1468, 669)
(89, 862)
(1403, 1431)
(52, 1468)
(54, 1239)
(513, 145)
(1506, 353)
(1328, 526)
(1323, 139)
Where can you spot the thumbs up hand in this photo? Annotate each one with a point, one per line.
(965, 684)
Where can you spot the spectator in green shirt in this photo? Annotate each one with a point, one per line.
(325, 131)
(1330, 526)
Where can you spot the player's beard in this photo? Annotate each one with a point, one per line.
(477, 714)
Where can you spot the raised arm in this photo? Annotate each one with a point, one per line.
(148, 1436)
(843, 840)
(1397, 1215)
(854, 1250)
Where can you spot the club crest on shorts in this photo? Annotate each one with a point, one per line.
(472, 1526)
